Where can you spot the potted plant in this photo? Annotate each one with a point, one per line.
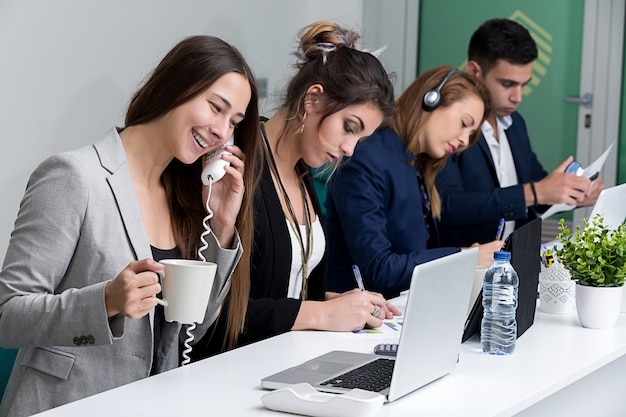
(596, 258)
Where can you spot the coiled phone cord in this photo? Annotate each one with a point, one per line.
(207, 229)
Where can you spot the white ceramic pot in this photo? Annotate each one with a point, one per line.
(598, 307)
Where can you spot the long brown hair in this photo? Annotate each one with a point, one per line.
(191, 67)
(411, 117)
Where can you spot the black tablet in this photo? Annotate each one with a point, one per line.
(525, 246)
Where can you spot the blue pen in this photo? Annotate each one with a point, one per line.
(357, 276)
(500, 229)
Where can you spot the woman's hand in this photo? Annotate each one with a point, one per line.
(132, 292)
(227, 196)
(350, 311)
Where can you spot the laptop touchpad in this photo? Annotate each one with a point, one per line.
(322, 367)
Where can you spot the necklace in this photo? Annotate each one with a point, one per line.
(306, 249)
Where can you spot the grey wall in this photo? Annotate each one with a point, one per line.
(68, 67)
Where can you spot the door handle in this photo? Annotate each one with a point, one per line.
(585, 100)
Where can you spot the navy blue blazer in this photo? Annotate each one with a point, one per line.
(375, 219)
(473, 201)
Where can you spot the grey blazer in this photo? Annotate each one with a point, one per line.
(78, 226)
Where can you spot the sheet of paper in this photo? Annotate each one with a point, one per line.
(595, 166)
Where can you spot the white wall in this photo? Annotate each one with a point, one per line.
(68, 67)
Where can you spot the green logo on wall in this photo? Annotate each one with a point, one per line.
(544, 49)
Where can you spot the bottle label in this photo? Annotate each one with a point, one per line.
(503, 295)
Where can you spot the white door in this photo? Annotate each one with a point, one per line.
(600, 88)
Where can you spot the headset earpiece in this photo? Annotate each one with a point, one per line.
(432, 98)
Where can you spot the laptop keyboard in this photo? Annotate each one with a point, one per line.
(373, 376)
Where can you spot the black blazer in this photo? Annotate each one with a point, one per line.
(270, 312)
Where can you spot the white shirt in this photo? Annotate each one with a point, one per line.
(319, 245)
(502, 159)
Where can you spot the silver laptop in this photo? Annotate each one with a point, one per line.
(429, 343)
(612, 204)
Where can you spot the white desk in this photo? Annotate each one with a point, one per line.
(558, 367)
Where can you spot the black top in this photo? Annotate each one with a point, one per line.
(159, 313)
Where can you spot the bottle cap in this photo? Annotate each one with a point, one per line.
(502, 256)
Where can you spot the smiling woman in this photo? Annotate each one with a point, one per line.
(78, 289)
(382, 203)
(204, 122)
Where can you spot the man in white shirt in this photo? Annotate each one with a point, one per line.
(500, 176)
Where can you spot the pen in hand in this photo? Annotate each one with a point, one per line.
(357, 276)
(500, 230)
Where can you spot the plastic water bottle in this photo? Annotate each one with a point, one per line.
(498, 328)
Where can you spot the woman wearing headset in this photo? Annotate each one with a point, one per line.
(382, 203)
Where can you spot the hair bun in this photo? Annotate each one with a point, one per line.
(322, 37)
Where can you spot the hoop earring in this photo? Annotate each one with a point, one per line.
(303, 122)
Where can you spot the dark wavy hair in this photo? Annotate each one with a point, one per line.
(328, 57)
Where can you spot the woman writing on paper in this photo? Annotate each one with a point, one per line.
(338, 96)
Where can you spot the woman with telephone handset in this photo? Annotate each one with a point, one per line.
(78, 287)
(338, 96)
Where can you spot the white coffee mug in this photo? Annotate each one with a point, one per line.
(186, 287)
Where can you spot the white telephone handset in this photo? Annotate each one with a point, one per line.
(214, 169)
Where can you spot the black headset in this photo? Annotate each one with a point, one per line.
(432, 98)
